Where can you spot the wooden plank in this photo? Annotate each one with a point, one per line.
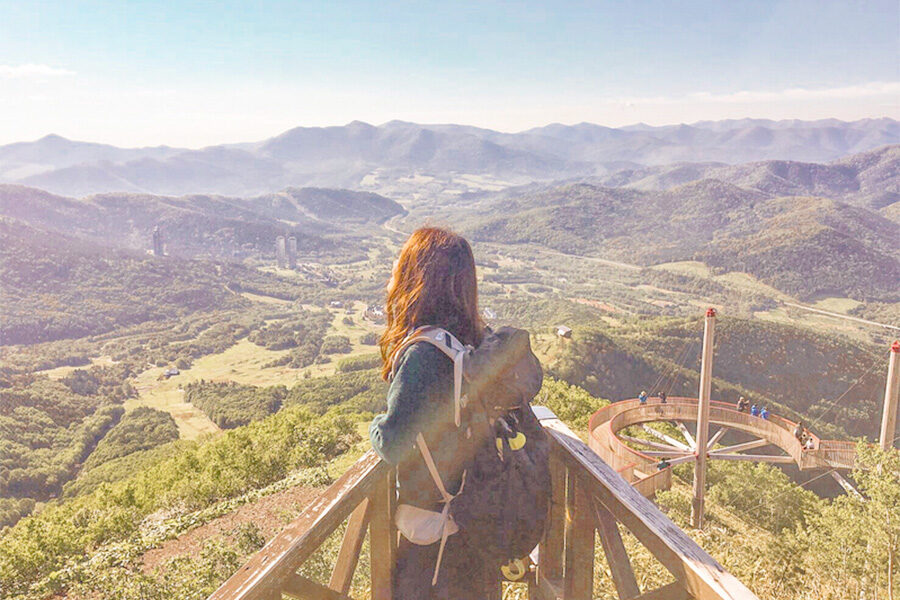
(383, 537)
(550, 552)
(667, 439)
(703, 577)
(616, 555)
(741, 447)
(297, 586)
(656, 453)
(650, 444)
(348, 557)
(671, 591)
(718, 436)
(754, 458)
(270, 567)
(687, 434)
(579, 541)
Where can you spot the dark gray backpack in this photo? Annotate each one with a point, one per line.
(502, 507)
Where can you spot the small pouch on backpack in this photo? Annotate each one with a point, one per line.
(423, 527)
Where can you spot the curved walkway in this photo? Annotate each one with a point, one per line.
(644, 469)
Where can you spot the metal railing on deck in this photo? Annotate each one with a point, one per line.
(588, 496)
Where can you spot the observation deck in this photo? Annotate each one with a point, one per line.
(588, 496)
(644, 468)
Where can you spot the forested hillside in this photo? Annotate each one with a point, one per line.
(215, 226)
(807, 247)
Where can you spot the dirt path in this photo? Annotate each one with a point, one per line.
(270, 514)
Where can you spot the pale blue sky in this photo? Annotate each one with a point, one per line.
(196, 73)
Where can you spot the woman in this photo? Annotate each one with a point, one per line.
(433, 283)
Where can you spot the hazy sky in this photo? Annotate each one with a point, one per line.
(197, 73)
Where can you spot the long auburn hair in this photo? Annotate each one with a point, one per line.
(433, 283)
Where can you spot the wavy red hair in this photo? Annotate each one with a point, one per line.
(433, 283)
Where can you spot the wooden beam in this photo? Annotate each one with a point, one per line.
(687, 434)
(650, 444)
(682, 459)
(550, 552)
(716, 438)
(703, 405)
(297, 586)
(848, 487)
(671, 591)
(702, 576)
(383, 537)
(348, 557)
(741, 447)
(270, 567)
(616, 555)
(669, 440)
(754, 458)
(579, 574)
(669, 453)
(891, 399)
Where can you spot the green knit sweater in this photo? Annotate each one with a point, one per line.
(420, 399)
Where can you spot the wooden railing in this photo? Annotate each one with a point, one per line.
(588, 496)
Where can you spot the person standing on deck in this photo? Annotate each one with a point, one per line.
(433, 283)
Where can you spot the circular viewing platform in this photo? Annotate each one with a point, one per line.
(649, 468)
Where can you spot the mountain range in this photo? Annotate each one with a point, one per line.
(349, 156)
(810, 230)
(206, 225)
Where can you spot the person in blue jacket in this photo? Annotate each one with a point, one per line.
(764, 413)
(643, 397)
(754, 411)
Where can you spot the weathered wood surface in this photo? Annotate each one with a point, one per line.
(383, 537)
(552, 546)
(348, 556)
(698, 572)
(297, 586)
(579, 574)
(616, 555)
(597, 498)
(271, 567)
(672, 591)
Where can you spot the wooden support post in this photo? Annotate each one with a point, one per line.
(383, 538)
(550, 553)
(706, 364)
(891, 396)
(348, 557)
(579, 541)
(616, 555)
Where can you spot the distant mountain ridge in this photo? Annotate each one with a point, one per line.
(870, 179)
(808, 229)
(205, 224)
(345, 156)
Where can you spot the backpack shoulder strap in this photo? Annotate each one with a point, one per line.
(447, 343)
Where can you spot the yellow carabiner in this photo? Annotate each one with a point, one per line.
(514, 570)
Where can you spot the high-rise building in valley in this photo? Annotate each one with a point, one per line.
(157, 242)
(292, 252)
(280, 252)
